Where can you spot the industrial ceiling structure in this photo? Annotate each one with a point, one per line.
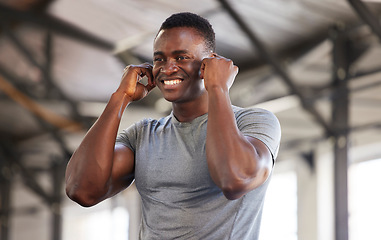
(315, 64)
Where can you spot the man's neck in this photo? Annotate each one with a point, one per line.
(188, 111)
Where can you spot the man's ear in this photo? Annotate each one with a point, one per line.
(212, 54)
(201, 71)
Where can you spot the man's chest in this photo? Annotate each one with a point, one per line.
(173, 162)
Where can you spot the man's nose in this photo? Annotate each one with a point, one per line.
(169, 67)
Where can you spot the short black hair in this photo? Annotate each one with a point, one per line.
(200, 24)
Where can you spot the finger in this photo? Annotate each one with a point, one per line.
(236, 69)
(149, 87)
(149, 74)
(140, 71)
(150, 79)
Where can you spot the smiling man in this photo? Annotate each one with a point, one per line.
(202, 172)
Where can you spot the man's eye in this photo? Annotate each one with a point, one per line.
(181, 58)
(157, 59)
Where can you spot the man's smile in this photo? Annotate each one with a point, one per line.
(172, 82)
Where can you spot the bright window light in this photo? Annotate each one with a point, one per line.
(100, 224)
(364, 200)
(279, 220)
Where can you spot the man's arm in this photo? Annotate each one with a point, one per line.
(237, 164)
(98, 168)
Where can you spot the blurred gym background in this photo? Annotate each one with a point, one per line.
(315, 64)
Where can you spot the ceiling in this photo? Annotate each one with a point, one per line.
(61, 60)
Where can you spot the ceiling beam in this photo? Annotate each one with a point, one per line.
(289, 53)
(367, 16)
(342, 60)
(5, 198)
(46, 118)
(53, 24)
(8, 154)
(256, 42)
(46, 69)
(38, 110)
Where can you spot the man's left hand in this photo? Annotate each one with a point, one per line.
(218, 71)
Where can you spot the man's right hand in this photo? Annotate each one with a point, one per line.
(131, 85)
(99, 169)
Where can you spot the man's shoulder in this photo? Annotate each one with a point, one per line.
(251, 111)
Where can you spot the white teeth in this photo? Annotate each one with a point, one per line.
(172, 82)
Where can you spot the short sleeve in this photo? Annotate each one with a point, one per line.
(128, 137)
(262, 125)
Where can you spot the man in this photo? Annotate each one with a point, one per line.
(202, 171)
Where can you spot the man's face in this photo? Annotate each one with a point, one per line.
(178, 53)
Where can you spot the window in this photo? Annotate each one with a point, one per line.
(101, 222)
(364, 200)
(279, 219)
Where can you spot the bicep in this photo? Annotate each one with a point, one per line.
(123, 168)
(264, 161)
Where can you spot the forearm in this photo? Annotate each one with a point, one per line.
(231, 157)
(89, 169)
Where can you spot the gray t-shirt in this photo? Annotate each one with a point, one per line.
(179, 198)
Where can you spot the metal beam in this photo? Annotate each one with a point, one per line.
(38, 110)
(342, 51)
(11, 156)
(369, 126)
(20, 46)
(360, 74)
(256, 42)
(53, 24)
(47, 119)
(48, 68)
(41, 115)
(50, 83)
(367, 16)
(53, 199)
(58, 176)
(309, 158)
(31, 182)
(28, 56)
(289, 53)
(5, 198)
(24, 85)
(45, 69)
(50, 121)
